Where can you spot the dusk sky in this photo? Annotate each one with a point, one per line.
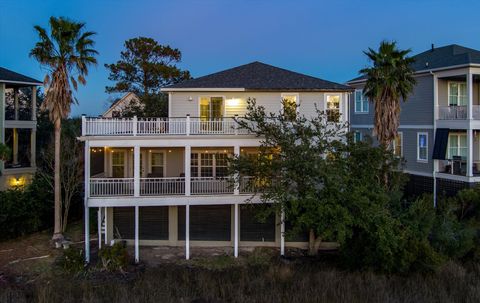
(319, 38)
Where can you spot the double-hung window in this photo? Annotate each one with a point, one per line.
(361, 102)
(118, 164)
(357, 136)
(457, 146)
(209, 164)
(158, 164)
(457, 94)
(422, 147)
(333, 108)
(289, 103)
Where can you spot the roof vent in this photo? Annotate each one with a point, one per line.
(433, 47)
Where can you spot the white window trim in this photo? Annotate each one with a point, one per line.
(164, 161)
(297, 100)
(214, 162)
(361, 111)
(401, 145)
(458, 96)
(325, 98)
(224, 113)
(125, 162)
(418, 147)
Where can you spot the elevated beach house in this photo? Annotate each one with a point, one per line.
(163, 181)
(18, 127)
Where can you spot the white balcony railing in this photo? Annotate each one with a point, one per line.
(211, 185)
(457, 112)
(106, 187)
(162, 186)
(159, 126)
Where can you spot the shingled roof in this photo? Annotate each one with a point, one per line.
(8, 76)
(440, 57)
(258, 76)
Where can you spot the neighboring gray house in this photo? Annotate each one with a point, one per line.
(439, 134)
(18, 126)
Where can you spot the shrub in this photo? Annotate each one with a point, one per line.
(25, 210)
(114, 257)
(72, 260)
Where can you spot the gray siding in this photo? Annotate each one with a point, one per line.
(418, 110)
(410, 148)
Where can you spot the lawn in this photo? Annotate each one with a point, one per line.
(260, 276)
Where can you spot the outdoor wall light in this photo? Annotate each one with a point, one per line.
(190, 98)
(233, 102)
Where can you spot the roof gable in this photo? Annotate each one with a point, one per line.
(8, 76)
(258, 76)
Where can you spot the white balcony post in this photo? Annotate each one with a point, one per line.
(187, 125)
(470, 95)
(136, 171)
(137, 250)
(15, 98)
(236, 153)
(99, 226)
(134, 126)
(236, 124)
(470, 152)
(105, 212)
(33, 147)
(188, 154)
(235, 239)
(86, 195)
(282, 233)
(34, 103)
(84, 125)
(187, 231)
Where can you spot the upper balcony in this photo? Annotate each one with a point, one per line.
(160, 126)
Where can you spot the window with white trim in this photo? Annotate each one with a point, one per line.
(397, 145)
(457, 146)
(289, 104)
(209, 164)
(457, 93)
(361, 102)
(333, 108)
(422, 147)
(158, 164)
(118, 164)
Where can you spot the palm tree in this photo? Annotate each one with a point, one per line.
(66, 52)
(389, 80)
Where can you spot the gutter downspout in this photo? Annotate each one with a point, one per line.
(435, 101)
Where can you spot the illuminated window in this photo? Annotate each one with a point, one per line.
(118, 164)
(398, 145)
(333, 108)
(211, 108)
(289, 104)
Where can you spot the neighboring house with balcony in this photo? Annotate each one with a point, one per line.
(18, 127)
(439, 133)
(163, 181)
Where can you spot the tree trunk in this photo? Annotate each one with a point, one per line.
(57, 231)
(313, 243)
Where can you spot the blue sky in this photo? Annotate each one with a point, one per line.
(320, 38)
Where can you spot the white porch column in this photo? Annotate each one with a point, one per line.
(86, 196)
(236, 189)
(15, 147)
(282, 233)
(34, 103)
(99, 226)
(105, 210)
(136, 171)
(15, 100)
(33, 147)
(470, 152)
(235, 240)
(188, 154)
(137, 251)
(187, 231)
(470, 95)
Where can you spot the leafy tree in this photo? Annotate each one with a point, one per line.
(389, 80)
(66, 52)
(144, 67)
(4, 152)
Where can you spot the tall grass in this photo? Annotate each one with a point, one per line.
(277, 282)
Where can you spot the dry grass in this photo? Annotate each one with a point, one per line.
(279, 281)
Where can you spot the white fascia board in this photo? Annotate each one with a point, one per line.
(217, 89)
(174, 142)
